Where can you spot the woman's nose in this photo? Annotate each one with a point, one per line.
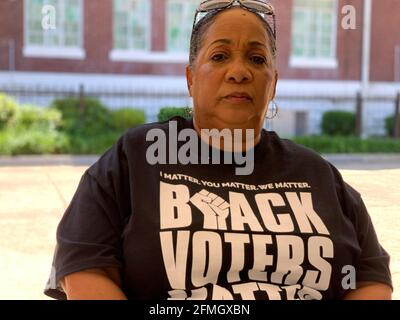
(238, 72)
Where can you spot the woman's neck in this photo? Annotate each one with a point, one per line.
(228, 139)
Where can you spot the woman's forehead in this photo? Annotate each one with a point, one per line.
(237, 22)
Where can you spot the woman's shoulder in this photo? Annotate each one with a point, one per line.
(292, 150)
(142, 131)
(310, 162)
(127, 148)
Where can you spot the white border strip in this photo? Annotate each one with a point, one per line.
(143, 56)
(54, 52)
(295, 62)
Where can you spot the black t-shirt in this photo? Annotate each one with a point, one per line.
(293, 229)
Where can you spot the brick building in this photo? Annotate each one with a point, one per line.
(328, 50)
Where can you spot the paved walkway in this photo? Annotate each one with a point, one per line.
(33, 199)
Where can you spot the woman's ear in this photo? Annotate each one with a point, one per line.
(189, 79)
(275, 81)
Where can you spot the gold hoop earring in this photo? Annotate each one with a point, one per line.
(275, 110)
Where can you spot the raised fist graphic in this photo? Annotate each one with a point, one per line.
(214, 208)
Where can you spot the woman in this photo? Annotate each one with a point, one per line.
(288, 230)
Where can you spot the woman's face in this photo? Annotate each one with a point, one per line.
(233, 78)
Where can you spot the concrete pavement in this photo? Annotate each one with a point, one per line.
(35, 191)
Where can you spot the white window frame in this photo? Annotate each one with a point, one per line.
(319, 63)
(141, 56)
(38, 51)
(134, 55)
(166, 29)
(148, 56)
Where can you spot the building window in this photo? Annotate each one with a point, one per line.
(132, 32)
(180, 14)
(314, 33)
(131, 25)
(58, 30)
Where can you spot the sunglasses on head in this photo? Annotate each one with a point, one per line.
(257, 6)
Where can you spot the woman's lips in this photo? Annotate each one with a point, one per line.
(237, 99)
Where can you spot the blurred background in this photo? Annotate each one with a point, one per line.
(76, 74)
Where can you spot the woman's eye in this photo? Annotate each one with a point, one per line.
(218, 57)
(258, 60)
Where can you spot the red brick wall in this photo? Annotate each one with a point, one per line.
(385, 36)
(349, 45)
(158, 17)
(98, 43)
(11, 28)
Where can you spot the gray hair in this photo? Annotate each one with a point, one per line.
(202, 26)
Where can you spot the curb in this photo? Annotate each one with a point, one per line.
(47, 160)
(352, 160)
(364, 161)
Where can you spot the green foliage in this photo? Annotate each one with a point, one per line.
(389, 126)
(33, 141)
(337, 144)
(125, 118)
(95, 128)
(92, 144)
(338, 123)
(8, 108)
(94, 119)
(33, 130)
(63, 128)
(29, 117)
(4, 145)
(170, 112)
